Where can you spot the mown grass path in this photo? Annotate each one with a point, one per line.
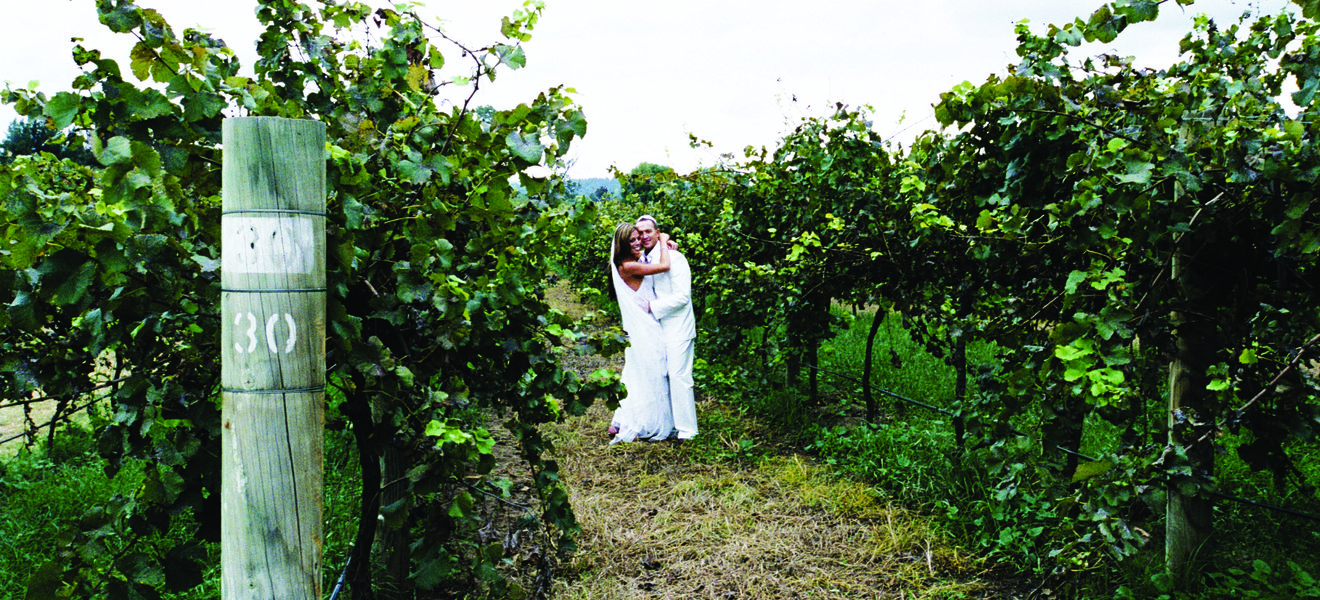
(722, 517)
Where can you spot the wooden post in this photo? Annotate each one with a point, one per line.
(1188, 519)
(273, 358)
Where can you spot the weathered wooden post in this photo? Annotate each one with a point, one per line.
(273, 358)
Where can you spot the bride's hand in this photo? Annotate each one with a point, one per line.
(664, 239)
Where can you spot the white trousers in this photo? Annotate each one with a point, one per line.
(681, 398)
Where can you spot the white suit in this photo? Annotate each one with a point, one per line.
(673, 307)
(645, 413)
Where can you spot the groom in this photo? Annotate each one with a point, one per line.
(673, 308)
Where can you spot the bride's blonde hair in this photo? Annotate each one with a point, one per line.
(622, 239)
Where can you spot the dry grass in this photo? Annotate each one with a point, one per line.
(562, 297)
(14, 421)
(34, 419)
(684, 521)
(657, 524)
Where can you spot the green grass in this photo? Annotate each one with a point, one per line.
(42, 500)
(39, 500)
(910, 455)
(911, 452)
(343, 482)
(900, 364)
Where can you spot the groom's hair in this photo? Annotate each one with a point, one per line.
(654, 223)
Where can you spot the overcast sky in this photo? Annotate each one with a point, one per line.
(648, 74)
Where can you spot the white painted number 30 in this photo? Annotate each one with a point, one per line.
(251, 333)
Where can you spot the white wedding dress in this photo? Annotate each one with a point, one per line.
(645, 413)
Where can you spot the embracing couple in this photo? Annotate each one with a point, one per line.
(653, 284)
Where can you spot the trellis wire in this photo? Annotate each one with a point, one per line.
(1246, 501)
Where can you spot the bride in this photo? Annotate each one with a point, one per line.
(645, 413)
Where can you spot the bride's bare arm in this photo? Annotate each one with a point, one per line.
(663, 243)
(641, 269)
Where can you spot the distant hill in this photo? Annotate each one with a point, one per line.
(588, 187)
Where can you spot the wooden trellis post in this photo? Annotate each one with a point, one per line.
(273, 358)
(1189, 519)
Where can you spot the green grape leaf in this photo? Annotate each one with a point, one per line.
(526, 147)
(1088, 470)
(62, 109)
(512, 56)
(141, 59)
(461, 508)
(22, 311)
(46, 582)
(117, 151)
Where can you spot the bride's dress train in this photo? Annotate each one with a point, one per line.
(645, 413)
